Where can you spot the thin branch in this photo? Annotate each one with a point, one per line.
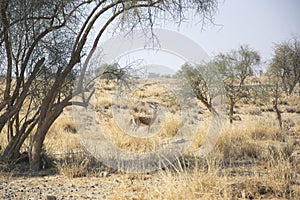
(8, 49)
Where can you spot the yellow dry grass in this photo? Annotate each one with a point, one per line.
(62, 136)
(253, 158)
(127, 142)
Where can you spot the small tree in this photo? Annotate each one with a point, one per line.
(286, 64)
(284, 72)
(195, 83)
(235, 67)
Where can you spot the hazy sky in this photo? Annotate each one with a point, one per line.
(258, 23)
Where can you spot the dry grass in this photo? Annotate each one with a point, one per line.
(73, 167)
(249, 161)
(62, 136)
(122, 140)
(210, 181)
(253, 158)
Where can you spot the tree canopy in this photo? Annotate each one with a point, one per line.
(233, 67)
(43, 46)
(286, 64)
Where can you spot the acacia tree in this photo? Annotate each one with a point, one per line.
(286, 64)
(235, 67)
(43, 44)
(195, 83)
(284, 72)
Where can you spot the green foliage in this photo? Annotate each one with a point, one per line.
(235, 67)
(111, 72)
(43, 44)
(195, 83)
(286, 64)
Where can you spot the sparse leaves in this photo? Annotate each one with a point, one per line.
(195, 83)
(42, 44)
(286, 64)
(235, 67)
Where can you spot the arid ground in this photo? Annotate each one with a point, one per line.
(252, 159)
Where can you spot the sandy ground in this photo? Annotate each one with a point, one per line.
(45, 186)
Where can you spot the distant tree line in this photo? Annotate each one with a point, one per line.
(235, 67)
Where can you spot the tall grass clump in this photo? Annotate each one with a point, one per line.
(73, 166)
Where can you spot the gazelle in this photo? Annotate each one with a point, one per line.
(138, 121)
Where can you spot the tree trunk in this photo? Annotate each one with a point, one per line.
(275, 106)
(279, 117)
(11, 151)
(38, 140)
(37, 143)
(40, 134)
(35, 151)
(231, 111)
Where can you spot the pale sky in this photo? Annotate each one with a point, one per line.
(257, 23)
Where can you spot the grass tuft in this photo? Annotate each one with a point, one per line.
(73, 167)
